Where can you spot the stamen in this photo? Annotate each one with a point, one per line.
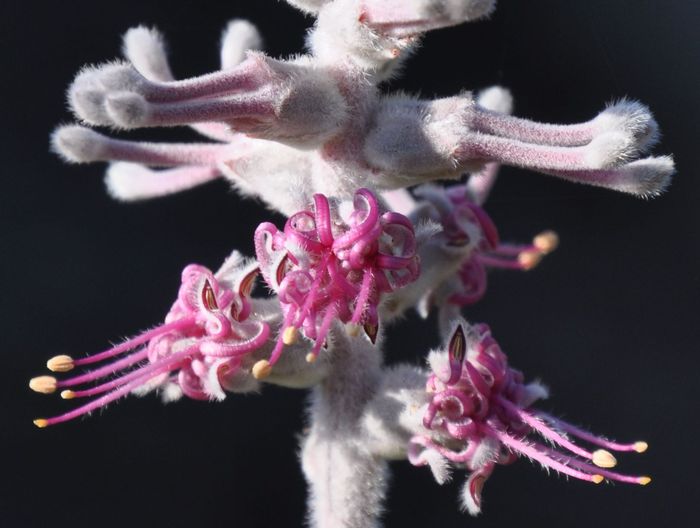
(61, 363)
(262, 369)
(546, 241)
(149, 372)
(529, 259)
(130, 344)
(580, 464)
(41, 423)
(644, 480)
(352, 329)
(604, 459)
(538, 425)
(67, 394)
(640, 447)
(290, 335)
(311, 358)
(43, 384)
(531, 451)
(107, 370)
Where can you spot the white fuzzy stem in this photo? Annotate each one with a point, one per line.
(347, 483)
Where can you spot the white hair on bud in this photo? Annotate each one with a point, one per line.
(171, 392)
(131, 181)
(239, 37)
(439, 362)
(127, 109)
(145, 48)
(77, 144)
(534, 391)
(496, 99)
(486, 451)
(609, 149)
(439, 466)
(308, 6)
(632, 118)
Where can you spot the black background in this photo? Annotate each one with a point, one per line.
(610, 321)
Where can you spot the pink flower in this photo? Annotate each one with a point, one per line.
(479, 415)
(325, 269)
(202, 341)
(459, 213)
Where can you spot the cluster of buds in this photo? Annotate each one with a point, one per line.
(324, 268)
(205, 336)
(479, 414)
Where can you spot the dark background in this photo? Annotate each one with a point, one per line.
(610, 321)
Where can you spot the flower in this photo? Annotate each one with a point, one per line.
(324, 269)
(206, 333)
(479, 415)
(460, 217)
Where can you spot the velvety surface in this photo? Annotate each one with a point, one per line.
(609, 321)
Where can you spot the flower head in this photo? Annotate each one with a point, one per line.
(324, 268)
(479, 414)
(460, 217)
(201, 344)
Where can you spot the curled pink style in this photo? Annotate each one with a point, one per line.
(479, 415)
(205, 336)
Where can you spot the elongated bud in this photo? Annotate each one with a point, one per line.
(61, 363)
(546, 242)
(262, 369)
(604, 459)
(43, 384)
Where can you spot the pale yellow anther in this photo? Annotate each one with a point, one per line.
(43, 384)
(310, 358)
(597, 479)
(290, 335)
(546, 242)
(529, 259)
(640, 447)
(604, 459)
(644, 480)
(67, 394)
(262, 369)
(352, 329)
(60, 364)
(41, 423)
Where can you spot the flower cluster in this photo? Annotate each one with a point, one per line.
(325, 269)
(204, 337)
(479, 415)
